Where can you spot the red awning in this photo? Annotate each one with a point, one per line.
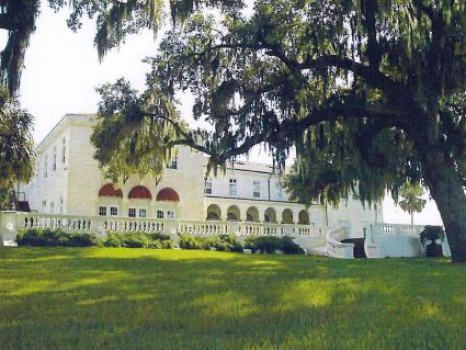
(168, 194)
(109, 190)
(140, 192)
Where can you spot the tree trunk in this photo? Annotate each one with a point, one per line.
(446, 189)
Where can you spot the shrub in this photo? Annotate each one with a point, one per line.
(83, 240)
(35, 237)
(290, 247)
(135, 240)
(270, 244)
(221, 243)
(190, 242)
(113, 241)
(159, 236)
(432, 233)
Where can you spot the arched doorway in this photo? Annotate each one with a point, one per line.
(213, 212)
(252, 214)
(303, 217)
(287, 216)
(270, 215)
(233, 213)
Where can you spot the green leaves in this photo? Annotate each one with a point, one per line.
(135, 132)
(16, 146)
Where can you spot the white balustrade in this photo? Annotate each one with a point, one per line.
(102, 225)
(397, 229)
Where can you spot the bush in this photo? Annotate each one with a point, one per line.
(220, 243)
(83, 240)
(290, 247)
(190, 242)
(113, 241)
(135, 240)
(35, 237)
(270, 244)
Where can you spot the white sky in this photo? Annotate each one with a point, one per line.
(62, 71)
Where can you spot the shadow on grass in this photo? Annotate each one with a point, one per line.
(131, 298)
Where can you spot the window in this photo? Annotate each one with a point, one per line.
(45, 166)
(208, 186)
(159, 214)
(233, 190)
(54, 164)
(61, 205)
(63, 151)
(102, 211)
(279, 190)
(173, 164)
(132, 212)
(44, 205)
(170, 214)
(256, 189)
(142, 213)
(52, 207)
(113, 211)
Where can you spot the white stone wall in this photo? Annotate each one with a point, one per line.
(47, 191)
(269, 185)
(351, 213)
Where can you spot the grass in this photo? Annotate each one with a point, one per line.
(104, 298)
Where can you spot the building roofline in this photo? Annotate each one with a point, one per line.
(66, 119)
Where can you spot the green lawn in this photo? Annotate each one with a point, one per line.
(104, 298)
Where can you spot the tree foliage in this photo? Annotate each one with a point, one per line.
(16, 146)
(412, 202)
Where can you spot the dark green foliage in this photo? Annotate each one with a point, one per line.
(83, 240)
(432, 233)
(54, 238)
(220, 243)
(134, 240)
(16, 146)
(192, 242)
(289, 247)
(113, 241)
(271, 244)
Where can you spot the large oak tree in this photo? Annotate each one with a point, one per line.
(371, 92)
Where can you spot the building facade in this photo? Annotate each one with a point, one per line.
(67, 180)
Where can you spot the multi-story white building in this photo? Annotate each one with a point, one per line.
(67, 180)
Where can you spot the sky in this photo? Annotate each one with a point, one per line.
(62, 71)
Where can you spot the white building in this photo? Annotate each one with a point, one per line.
(68, 181)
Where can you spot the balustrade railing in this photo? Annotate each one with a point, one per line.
(105, 225)
(397, 229)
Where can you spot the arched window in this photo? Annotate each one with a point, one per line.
(214, 212)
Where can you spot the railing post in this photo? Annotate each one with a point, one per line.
(9, 228)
